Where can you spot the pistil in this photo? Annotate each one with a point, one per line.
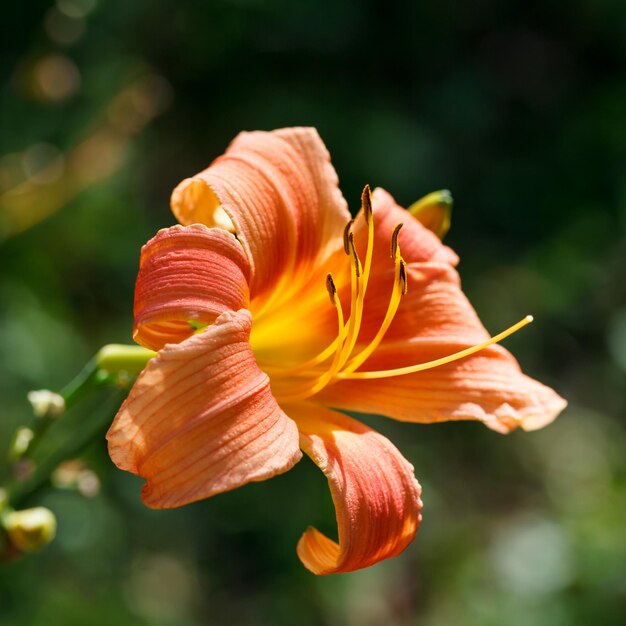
(412, 369)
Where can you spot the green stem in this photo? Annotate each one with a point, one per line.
(84, 382)
(80, 385)
(113, 365)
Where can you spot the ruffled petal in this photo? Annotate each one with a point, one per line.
(187, 274)
(435, 320)
(417, 242)
(374, 490)
(278, 192)
(201, 419)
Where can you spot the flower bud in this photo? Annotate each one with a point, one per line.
(46, 403)
(121, 362)
(74, 474)
(21, 440)
(30, 530)
(434, 211)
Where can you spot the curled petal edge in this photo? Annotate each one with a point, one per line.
(188, 276)
(374, 490)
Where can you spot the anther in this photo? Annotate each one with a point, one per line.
(394, 240)
(347, 231)
(402, 277)
(354, 255)
(366, 203)
(332, 290)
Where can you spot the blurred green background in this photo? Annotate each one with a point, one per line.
(518, 107)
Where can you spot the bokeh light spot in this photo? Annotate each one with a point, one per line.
(62, 29)
(531, 556)
(76, 8)
(56, 77)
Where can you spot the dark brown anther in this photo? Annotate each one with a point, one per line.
(355, 256)
(347, 231)
(332, 290)
(366, 203)
(404, 283)
(394, 240)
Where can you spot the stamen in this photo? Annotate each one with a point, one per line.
(356, 288)
(368, 215)
(356, 310)
(342, 367)
(338, 342)
(411, 369)
(348, 334)
(398, 290)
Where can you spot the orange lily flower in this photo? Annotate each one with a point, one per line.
(254, 361)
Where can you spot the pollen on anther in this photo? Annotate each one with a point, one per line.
(346, 236)
(332, 290)
(355, 256)
(404, 283)
(366, 203)
(394, 240)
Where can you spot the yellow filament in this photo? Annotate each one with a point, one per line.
(355, 288)
(368, 215)
(411, 369)
(394, 302)
(356, 313)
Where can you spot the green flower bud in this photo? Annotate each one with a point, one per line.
(121, 363)
(434, 211)
(21, 440)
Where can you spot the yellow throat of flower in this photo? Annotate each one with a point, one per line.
(338, 361)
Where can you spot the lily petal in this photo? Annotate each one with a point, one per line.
(435, 320)
(278, 192)
(374, 490)
(201, 419)
(187, 274)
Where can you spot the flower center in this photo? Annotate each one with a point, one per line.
(340, 360)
